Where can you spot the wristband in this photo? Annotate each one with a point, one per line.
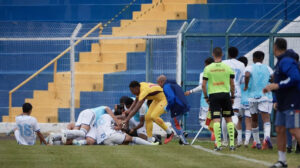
(205, 97)
(232, 97)
(191, 91)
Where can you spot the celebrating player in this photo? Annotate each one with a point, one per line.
(257, 77)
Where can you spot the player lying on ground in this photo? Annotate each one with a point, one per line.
(257, 77)
(177, 104)
(85, 121)
(26, 127)
(149, 91)
(107, 132)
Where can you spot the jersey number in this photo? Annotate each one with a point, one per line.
(25, 130)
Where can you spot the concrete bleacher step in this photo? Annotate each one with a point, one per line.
(165, 7)
(100, 67)
(128, 47)
(145, 23)
(182, 1)
(90, 57)
(172, 15)
(133, 30)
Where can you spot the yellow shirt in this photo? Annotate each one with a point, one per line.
(151, 91)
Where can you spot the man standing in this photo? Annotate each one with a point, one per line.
(286, 79)
(220, 80)
(238, 68)
(177, 104)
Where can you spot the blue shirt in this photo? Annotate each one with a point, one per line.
(99, 111)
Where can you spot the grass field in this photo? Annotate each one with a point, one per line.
(165, 156)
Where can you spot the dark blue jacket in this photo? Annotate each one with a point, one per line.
(177, 102)
(287, 75)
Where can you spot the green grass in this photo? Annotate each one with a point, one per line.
(165, 156)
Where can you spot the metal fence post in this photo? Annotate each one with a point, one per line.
(72, 70)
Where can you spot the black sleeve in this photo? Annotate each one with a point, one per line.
(204, 78)
(232, 76)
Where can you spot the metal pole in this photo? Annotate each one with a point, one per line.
(227, 37)
(148, 60)
(179, 53)
(72, 70)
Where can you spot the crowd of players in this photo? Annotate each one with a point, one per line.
(231, 89)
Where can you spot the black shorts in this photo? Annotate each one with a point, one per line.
(220, 105)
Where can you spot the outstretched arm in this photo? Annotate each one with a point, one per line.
(109, 112)
(134, 110)
(41, 137)
(247, 79)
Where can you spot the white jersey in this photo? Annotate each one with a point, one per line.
(239, 70)
(105, 128)
(26, 127)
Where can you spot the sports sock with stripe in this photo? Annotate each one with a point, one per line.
(217, 131)
(230, 128)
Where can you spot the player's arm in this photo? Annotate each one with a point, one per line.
(196, 89)
(204, 89)
(109, 112)
(247, 79)
(170, 95)
(41, 137)
(133, 105)
(140, 125)
(232, 88)
(135, 109)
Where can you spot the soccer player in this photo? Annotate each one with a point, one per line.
(26, 127)
(218, 83)
(85, 121)
(107, 132)
(244, 110)
(286, 82)
(257, 77)
(203, 105)
(177, 104)
(137, 122)
(238, 68)
(153, 92)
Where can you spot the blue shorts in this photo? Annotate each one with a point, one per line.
(288, 118)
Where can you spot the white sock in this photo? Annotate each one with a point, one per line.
(239, 137)
(267, 130)
(247, 136)
(255, 132)
(151, 139)
(72, 134)
(140, 141)
(82, 142)
(169, 131)
(282, 156)
(224, 130)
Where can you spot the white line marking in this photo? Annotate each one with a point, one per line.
(232, 155)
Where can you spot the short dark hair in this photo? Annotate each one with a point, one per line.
(134, 84)
(281, 44)
(217, 52)
(244, 60)
(119, 110)
(209, 60)
(27, 107)
(259, 55)
(149, 102)
(126, 100)
(233, 52)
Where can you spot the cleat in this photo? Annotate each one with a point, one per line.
(258, 146)
(51, 139)
(212, 137)
(279, 164)
(239, 144)
(289, 149)
(157, 139)
(232, 148)
(269, 143)
(185, 134)
(155, 143)
(264, 145)
(169, 137)
(183, 140)
(217, 149)
(253, 145)
(224, 143)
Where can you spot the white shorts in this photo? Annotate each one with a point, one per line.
(256, 107)
(86, 117)
(203, 113)
(92, 133)
(244, 112)
(116, 138)
(237, 103)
